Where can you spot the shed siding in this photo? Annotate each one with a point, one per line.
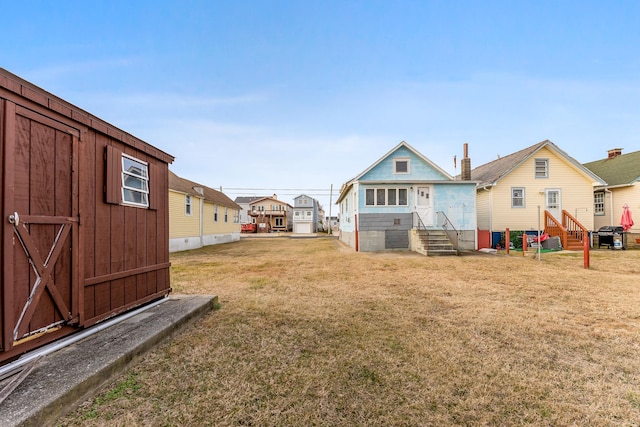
(119, 254)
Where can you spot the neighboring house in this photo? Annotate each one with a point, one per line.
(622, 175)
(245, 203)
(331, 223)
(515, 191)
(402, 196)
(200, 216)
(85, 225)
(305, 214)
(270, 214)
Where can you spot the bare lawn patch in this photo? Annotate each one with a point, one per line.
(309, 334)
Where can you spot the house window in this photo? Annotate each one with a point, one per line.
(215, 213)
(297, 213)
(542, 168)
(308, 213)
(401, 166)
(369, 197)
(226, 214)
(391, 193)
(386, 197)
(135, 182)
(598, 203)
(279, 222)
(396, 221)
(187, 204)
(517, 197)
(402, 197)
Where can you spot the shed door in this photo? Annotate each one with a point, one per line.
(40, 231)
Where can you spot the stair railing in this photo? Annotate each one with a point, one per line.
(419, 226)
(573, 227)
(553, 227)
(448, 227)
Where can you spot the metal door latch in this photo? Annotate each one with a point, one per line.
(14, 219)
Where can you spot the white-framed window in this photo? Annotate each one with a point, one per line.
(401, 166)
(517, 197)
(386, 197)
(598, 203)
(297, 213)
(135, 182)
(279, 222)
(542, 168)
(215, 213)
(226, 214)
(308, 213)
(187, 204)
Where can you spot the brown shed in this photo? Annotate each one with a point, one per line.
(85, 224)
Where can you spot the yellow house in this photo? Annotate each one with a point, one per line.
(522, 190)
(200, 216)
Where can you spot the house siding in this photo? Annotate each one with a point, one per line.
(483, 203)
(576, 194)
(181, 224)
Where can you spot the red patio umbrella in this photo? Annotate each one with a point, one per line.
(626, 221)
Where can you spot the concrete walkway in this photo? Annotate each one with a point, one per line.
(65, 378)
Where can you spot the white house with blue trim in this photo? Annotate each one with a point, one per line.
(403, 197)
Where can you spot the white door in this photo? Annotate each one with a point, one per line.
(424, 205)
(553, 202)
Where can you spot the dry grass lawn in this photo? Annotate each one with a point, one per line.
(309, 332)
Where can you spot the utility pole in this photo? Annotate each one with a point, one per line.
(330, 203)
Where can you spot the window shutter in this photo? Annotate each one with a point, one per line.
(155, 189)
(113, 179)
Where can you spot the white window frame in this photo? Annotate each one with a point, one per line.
(599, 205)
(401, 160)
(541, 168)
(522, 198)
(226, 215)
(188, 205)
(142, 177)
(385, 191)
(215, 213)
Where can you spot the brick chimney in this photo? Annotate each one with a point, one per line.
(614, 152)
(465, 164)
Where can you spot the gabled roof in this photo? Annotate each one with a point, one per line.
(248, 199)
(209, 194)
(414, 151)
(261, 199)
(348, 184)
(490, 173)
(620, 170)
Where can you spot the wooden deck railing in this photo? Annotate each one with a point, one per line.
(553, 227)
(573, 227)
(568, 227)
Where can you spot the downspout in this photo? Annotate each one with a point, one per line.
(606, 190)
(355, 221)
(201, 221)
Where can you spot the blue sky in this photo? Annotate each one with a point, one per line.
(294, 96)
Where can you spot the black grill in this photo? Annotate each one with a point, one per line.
(606, 233)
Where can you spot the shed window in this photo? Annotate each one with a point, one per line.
(598, 203)
(135, 182)
(517, 197)
(187, 204)
(542, 168)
